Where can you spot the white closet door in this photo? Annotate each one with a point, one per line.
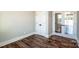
(41, 22)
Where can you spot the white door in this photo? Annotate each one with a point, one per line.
(41, 23)
(64, 24)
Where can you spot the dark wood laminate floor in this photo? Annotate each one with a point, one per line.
(37, 41)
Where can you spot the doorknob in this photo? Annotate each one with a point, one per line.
(40, 24)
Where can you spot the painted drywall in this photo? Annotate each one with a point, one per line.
(50, 18)
(15, 24)
(78, 25)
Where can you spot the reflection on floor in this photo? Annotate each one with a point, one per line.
(38, 41)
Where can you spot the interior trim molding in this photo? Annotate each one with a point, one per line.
(45, 35)
(15, 39)
(72, 37)
(77, 41)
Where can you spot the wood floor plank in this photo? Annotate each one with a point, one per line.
(22, 44)
(38, 41)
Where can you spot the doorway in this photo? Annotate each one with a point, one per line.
(64, 24)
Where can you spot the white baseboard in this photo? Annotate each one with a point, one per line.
(47, 36)
(15, 39)
(68, 36)
(77, 41)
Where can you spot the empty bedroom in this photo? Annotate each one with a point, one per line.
(39, 29)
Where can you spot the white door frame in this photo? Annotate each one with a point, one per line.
(74, 36)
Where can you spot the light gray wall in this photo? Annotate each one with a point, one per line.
(50, 22)
(78, 25)
(16, 23)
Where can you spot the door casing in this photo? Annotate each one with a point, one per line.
(74, 36)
